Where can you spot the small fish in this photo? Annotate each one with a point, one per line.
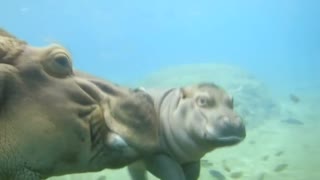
(292, 121)
(261, 176)
(294, 98)
(217, 175)
(265, 158)
(280, 167)
(225, 166)
(236, 175)
(279, 153)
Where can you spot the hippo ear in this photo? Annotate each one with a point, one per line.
(183, 93)
(231, 101)
(231, 98)
(10, 47)
(142, 89)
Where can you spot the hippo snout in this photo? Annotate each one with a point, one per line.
(229, 128)
(226, 132)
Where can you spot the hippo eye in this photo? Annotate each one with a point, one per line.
(62, 64)
(59, 65)
(202, 101)
(62, 61)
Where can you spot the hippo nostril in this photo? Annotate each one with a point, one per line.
(238, 119)
(225, 119)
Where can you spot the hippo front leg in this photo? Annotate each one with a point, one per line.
(191, 170)
(137, 171)
(164, 167)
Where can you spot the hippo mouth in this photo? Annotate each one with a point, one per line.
(225, 136)
(226, 141)
(134, 119)
(127, 117)
(101, 134)
(109, 147)
(105, 142)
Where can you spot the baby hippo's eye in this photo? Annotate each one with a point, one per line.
(202, 101)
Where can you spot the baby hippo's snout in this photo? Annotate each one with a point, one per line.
(226, 131)
(231, 128)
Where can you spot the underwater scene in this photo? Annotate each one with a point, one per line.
(263, 54)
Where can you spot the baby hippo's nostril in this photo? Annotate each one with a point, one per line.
(223, 119)
(227, 119)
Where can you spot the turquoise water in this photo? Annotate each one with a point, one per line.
(134, 42)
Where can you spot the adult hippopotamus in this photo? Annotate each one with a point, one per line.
(55, 121)
(194, 120)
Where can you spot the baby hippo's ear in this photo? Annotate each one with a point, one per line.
(142, 89)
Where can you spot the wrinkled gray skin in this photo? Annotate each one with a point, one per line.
(194, 120)
(54, 121)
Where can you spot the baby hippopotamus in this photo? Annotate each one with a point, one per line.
(194, 120)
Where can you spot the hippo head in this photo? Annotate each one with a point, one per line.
(199, 117)
(54, 120)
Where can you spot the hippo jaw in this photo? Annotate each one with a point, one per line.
(107, 149)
